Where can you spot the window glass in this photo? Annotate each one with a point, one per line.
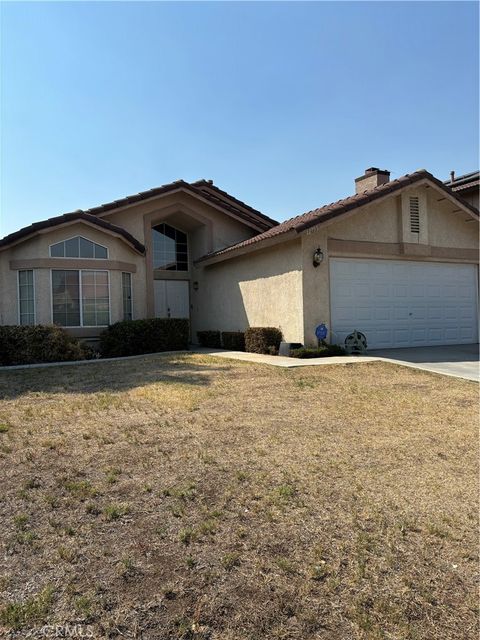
(66, 298)
(86, 248)
(26, 301)
(80, 298)
(58, 250)
(72, 248)
(127, 295)
(78, 247)
(100, 252)
(170, 248)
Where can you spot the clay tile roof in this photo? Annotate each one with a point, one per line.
(203, 188)
(467, 181)
(318, 216)
(72, 217)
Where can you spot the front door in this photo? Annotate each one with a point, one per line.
(171, 298)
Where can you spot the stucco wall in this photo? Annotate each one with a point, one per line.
(260, 289)
(38, 248)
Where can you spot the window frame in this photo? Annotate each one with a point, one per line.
(129, 274)
(19, 315)
(187, 243)
(81, 325)
(77, 257)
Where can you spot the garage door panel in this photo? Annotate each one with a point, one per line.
(400, 303)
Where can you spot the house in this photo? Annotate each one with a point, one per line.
(466, 186)
(397, 260)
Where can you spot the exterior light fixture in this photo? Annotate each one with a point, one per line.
(195, 286)
(317, 257)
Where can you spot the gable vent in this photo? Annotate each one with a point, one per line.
(414, 214)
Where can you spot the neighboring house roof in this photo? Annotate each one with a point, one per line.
(294, 226)
(465, 182)
(67, 218)
(204, 189)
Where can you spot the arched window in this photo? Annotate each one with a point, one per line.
(170, 248)
(78, 247)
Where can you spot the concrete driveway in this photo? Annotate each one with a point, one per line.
(454, 360)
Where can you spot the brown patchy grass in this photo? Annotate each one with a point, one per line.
(193, 497)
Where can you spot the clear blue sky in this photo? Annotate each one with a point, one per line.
(281, 104)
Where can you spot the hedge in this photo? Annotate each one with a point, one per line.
(323, 351)
(233, 340)
(262, 339)
(21, 344)
(210, 339)
(134, 337)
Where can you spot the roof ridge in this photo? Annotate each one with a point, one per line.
(313, 217)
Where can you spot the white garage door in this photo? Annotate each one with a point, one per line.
(402, 303)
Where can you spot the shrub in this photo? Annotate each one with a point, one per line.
(233, 340)
(319, 352)
(262, 339)
(134, 337)
(209, 339)
(39, 343)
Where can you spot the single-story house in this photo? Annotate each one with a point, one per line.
(397, 260)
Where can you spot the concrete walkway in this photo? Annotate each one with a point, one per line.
(281, 361)
(458, 361)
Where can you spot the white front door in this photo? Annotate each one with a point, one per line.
(403, 303)
(171, 298)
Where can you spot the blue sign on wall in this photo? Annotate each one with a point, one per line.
(321, 331)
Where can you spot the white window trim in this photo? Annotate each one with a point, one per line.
(131, 291)
(81, 325)
(34, 297)
(76, 258)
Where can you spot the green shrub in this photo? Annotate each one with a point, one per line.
(323, 351)
(210, 339)
(39, 343)
(134, 337)
(262, 339)
(233, 340)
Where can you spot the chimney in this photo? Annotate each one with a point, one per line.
(452, 176)
(373, 177)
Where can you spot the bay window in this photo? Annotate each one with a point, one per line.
(80, 298)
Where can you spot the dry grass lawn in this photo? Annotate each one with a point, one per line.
(192, 497)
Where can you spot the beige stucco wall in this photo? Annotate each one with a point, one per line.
(259, 289)
(38, 248)
(385, 226)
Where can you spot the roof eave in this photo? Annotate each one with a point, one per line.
(131, 242)
(228, 253)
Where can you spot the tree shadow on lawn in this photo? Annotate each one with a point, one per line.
(109, 376)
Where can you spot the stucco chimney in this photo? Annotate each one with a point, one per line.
(373, 177)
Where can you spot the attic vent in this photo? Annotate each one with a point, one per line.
(414, 214)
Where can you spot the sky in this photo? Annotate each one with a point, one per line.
(280, 104)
